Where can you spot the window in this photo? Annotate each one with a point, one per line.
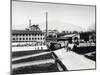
(32, 38)
(16, 38)
(26, 38)
(23, 38)
(19, 38)
(29, 38)
(23, 34)
(13, 38)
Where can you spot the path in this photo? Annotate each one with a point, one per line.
(74, 61)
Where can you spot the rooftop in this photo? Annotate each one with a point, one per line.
(26, 32)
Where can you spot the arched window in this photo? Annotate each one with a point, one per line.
(35, 38)
(26, 38)
(19, 38)
(13, 38)
(23, 38)
(41, 38)
(38, 38)
(29, 38)
(32, 38)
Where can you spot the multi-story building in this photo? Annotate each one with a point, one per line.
(33, 34)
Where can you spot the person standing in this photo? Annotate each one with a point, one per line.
(66, 45)
(76, 42)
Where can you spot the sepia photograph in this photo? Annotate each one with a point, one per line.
(52, 37)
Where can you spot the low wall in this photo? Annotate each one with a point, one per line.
(26, 48)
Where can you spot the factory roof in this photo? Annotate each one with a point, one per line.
(26, 32)
(70, 35)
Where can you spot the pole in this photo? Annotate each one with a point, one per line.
(46, 25)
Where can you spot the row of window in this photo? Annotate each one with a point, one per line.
(28, 34)
(28, 38)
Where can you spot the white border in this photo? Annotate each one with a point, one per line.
(5, 37)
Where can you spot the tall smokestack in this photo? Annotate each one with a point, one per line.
(29, 22)
(46, 24)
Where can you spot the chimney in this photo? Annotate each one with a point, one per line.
(29, 22)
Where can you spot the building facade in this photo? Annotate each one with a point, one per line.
(69, 37)
(31, 35)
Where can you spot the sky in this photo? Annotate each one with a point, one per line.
(82, 16)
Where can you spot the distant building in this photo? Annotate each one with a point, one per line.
(34, 28)
(30, 35)
(82, 37)
(88, 36)
(52, 35)
(69, 37)
(51, 32)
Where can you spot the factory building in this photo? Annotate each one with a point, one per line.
(30, 35)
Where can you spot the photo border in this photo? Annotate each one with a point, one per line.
(51, 3)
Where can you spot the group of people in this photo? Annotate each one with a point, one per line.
(67, 46)
(72, 46)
